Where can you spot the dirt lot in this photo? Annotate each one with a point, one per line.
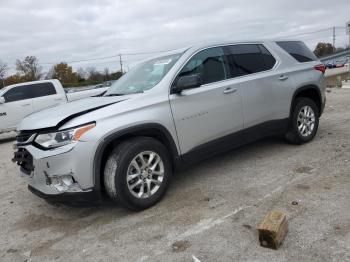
(210, 211)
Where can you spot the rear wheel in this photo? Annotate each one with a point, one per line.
(137, 173)
(304, 121)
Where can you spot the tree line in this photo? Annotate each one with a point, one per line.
(29, 69)
(323, 49)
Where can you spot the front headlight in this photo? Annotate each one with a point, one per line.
(61, 138)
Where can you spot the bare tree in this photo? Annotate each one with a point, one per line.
(29, 68)
(3, 72)
(94, 75)
(90, 71)
(106, 75)
(82, 74)
(3, 69)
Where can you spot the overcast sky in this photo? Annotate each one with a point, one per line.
(68, 30)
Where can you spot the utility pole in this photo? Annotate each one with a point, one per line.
(347, 27)
(333, 39)
(348, 31)
(121, 62)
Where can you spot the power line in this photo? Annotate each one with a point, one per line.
(307, 33)
(107, 57)
(82, 60)
(164, 51)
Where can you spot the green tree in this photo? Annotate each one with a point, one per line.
(29, 68)
(323, 49)
(64, 73)
(116, 75)
(13, 79)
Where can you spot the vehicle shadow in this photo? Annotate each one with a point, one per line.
(243, 152)
(182, 177)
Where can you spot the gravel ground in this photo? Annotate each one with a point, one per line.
(211, 211)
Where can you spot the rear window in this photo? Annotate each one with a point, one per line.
(250, 59)
(270, 61)
(298, 50)
(42, 89)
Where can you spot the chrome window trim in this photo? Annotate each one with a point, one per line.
(277, 63)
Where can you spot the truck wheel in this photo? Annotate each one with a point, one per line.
(304, 121)
(137, 173)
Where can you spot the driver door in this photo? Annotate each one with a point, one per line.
(18, 104)
(206, 114)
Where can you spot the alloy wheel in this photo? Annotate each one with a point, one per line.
(306, 121)
(145, 174)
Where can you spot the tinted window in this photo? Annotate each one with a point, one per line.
(298, 50)
(269, 60)
(30, 91)
(42, 89)
(210, 64)
(249, 59)
(17, 93)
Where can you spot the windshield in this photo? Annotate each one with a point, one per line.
(3, 90)
(143, 76)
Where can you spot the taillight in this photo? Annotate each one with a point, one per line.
(321, 68)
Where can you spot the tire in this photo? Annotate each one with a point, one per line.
(295, 134)
(125, 162)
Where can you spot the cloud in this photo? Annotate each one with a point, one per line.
(68, 30)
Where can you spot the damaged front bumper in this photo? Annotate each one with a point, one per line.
(63, 174)
(77, 198)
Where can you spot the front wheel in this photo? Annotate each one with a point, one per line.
(137, 173)
(303, 122)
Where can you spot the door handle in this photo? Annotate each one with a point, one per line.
(58, 99)
(230, 90)
(283, 77)
(26, 105)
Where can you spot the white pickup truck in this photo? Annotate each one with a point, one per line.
(20, 100)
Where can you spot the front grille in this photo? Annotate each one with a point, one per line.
(23, 137)
(24, 159)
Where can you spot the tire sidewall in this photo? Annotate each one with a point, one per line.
(301, 102)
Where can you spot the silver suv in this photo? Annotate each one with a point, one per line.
(168, 112)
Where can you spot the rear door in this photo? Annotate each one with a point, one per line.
(212, 110)
(45, 95)
(264, 90)
(18, 104)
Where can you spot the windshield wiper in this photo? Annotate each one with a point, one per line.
(115, 95)
(121, 94)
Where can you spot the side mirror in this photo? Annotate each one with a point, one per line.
(186, 82)
(2, 100)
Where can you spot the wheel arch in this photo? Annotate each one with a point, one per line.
(309, 91)
(156, 131)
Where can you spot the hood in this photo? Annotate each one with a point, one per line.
(58, 115)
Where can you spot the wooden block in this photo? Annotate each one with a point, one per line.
(273, 229)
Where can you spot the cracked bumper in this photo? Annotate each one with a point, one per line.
(77, 198)
(75, 161)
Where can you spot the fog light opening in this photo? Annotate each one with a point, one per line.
(65, 183)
